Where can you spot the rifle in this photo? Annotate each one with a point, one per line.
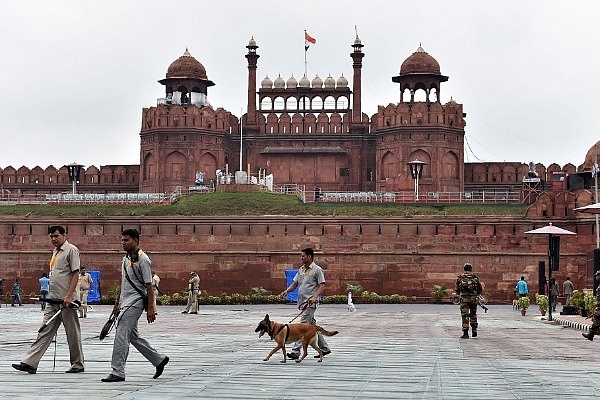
(481, 304)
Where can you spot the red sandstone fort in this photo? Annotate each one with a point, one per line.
(313, 132)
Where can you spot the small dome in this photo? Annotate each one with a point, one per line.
(279, 82)
(292, 82)
(304, 82)
(420, 62)
(252, 42)
(266, 83)
(342, 82)
(357, 41)
(317, 82)
(186, 66)
(329, 82)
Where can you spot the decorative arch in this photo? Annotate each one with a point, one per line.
(149, 167)
(208, 165)
(421, 155)
(175, 164)
(450, 167)
(389, 165)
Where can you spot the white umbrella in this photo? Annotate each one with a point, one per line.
(551, 230)
(591, 209)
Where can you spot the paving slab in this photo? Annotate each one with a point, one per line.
(407, 351)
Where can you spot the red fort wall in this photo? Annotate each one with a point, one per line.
(385, 255)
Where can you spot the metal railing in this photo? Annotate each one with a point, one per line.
(501, 197)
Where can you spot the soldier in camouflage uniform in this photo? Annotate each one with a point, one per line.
(468, 287)
(596, 318)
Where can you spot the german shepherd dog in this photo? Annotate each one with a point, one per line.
(290, 333)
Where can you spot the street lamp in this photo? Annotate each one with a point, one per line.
(416, 170)
(554, 234)
(74, 170)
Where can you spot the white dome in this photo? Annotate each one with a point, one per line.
(304, 82)
(266, 83)
(292, 82)
(342, 82)
(279, 83)
(252, 42)
(329, 82)
(317, 82)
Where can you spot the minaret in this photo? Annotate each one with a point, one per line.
(357, 56)
(252, 62)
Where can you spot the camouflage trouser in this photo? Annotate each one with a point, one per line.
(468, 311)
(595, 321)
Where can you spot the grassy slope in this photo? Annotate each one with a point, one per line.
(259, 203)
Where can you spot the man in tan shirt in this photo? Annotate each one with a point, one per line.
(85, 281)
(194, 286)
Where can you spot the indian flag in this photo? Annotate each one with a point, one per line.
(308, 40)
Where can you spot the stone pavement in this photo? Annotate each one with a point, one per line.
(382, 352)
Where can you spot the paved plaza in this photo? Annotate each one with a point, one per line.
(407, 351)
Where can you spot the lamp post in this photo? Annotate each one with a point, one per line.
(416, 171)
(554, 234)
(74, 170)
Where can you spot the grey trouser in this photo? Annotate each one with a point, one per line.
(192, 304)
(308, 317)
(83, 294)
(127, 332)
(68, 317)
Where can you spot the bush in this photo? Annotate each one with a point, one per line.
(590, 302)
(163, 300)
(524, 303)
(354, 289)
(335, 299)
(542, 302)
(577, 299)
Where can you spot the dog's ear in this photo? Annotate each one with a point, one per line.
(267, 317)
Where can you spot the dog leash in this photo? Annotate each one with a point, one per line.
(302, 310)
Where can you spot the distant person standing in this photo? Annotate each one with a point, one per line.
(553, 290)
(85, 282)
(194, 286)
(44, 289)
(568, 290)
(16, 292)
(522, 288)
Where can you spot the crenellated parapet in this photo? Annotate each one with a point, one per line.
(165, 116)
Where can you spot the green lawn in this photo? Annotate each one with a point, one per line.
(260, 203)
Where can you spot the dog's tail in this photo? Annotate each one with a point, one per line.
(327, 333)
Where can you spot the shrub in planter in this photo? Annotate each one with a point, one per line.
(542, 301)
(590, 302)
(335, 299)
(524, 303)
(577, 299)
(163, 300)
(439, 292)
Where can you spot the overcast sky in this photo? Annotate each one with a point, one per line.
(75, 75)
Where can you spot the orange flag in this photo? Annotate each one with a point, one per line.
(308, 39)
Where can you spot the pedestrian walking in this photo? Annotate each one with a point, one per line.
(84, 284)
(568, 289)
(44, 289)
(310, 281)
(136, 295)
(16, 293)
(193, 288)
(64, 268)
(468, 286)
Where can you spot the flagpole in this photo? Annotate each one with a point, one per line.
(305, 51)
(241, 136)
(596, 197)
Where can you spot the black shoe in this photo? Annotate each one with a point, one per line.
(160, 368)
(324, 353)
(184, 312)
(474, 334)
(293, 356)
(588, 336)
(25, 368)
(193, 312)
(74, 370)
(113, 378)
(465, 334)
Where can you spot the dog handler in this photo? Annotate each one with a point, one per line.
(310, 282)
